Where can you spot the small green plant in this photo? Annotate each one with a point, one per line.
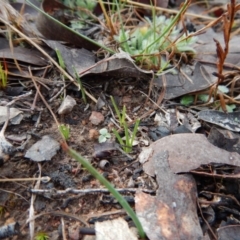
(3, 77)
(41, 236)
(148, 42)
(65, 131)
(104, 135)
(127, 141)
(187, 100)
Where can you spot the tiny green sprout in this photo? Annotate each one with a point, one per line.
(60, 59)
(65, 131)
(3, 77)
(187, 100)
(81, 86)
(41, 236)
(127, 142)
(104, 135)
(2, 211)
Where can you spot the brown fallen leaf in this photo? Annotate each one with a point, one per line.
(54, 31)
(187, 81)
(172, 213)
(190, 151)
(120, 64)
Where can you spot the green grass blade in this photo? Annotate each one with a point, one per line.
(128, 147)
(111, 189)
(63, 25)
(81, 87)
(123, 116)
(116, 109)
(135, 131)
(60, 59)
(118, 137)
(3, 77)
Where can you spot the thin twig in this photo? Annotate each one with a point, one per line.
(43, 99)
(146, 6)
(31, 208)
(63, 229)
(14, 193)
(209, 227)
(44, 179)
(47, 56)
(19, 97)
(61, 214)
(87, 191)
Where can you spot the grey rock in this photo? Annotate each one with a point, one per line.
(43, 150)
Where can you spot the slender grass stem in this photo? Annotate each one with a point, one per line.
(134, 131)
(116, 110)
(66, 27)
(109, 186)
(81, 87)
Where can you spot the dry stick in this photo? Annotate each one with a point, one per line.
(156, 104)
(86, 191)
(145, 6)
(109, 22)
(46, 104)
(61, 214)
(14, 193)
(19, 97)
(209, 227)
(224, 176)
(11, 48)
(228, 21)
(63, 229)
(36, 95)
(45, 179)
(31, 208)
(222, 195)
(43, 99)
(49, 57)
